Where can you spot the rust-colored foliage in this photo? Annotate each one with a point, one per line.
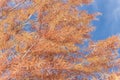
(49, 49)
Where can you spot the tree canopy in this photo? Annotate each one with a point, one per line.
(51, 40)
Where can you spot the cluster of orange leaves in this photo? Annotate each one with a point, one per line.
(50, 51)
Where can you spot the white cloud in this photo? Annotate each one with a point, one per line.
(116, 13)
(113, 16)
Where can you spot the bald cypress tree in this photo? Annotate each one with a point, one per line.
(45, 40)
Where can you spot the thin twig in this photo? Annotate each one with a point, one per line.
(29, 50)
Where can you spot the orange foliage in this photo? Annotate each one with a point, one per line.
(48, 50)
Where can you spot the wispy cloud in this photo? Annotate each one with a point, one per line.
(109, 23)
(114, 16)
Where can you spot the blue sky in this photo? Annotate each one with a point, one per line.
(109, 22)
